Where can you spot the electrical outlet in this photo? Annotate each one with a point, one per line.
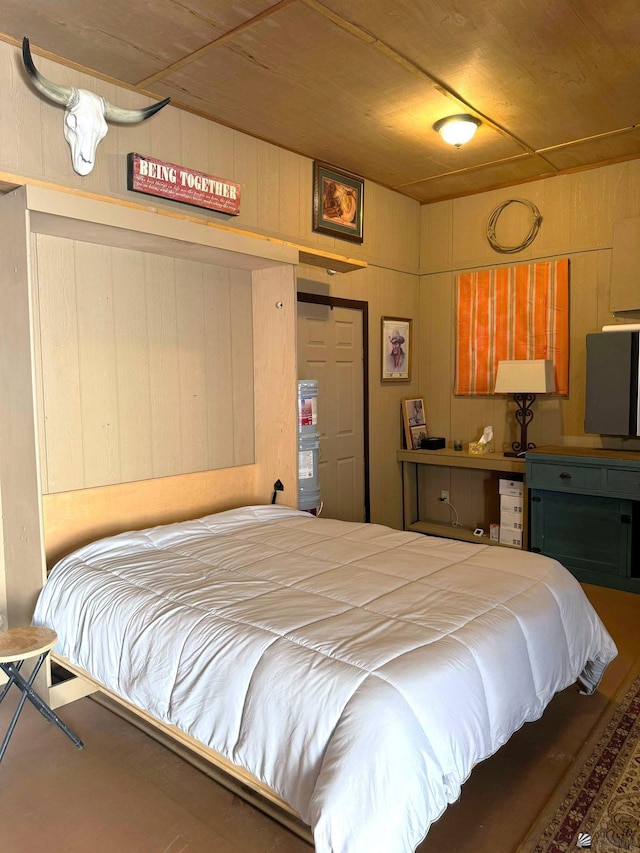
(444, 495)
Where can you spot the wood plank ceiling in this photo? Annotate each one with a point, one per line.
(360, 83)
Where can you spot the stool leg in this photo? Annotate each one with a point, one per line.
(7, 668)
(10, 681)
(29, 693)
(52, 717)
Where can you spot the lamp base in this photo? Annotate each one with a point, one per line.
(517, 454)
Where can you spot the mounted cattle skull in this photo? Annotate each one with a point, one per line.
(86, 114)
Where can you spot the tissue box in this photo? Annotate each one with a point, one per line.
(477, 448)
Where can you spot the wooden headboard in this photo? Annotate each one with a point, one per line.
(72, 519)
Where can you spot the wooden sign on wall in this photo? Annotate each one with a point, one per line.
(177, 183)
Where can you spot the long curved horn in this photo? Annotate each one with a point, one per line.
(67, 95)
(122, 116)
(64, 95)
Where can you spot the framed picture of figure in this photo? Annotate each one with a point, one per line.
(396, 349)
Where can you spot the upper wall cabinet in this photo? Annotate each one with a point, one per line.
(625, 266)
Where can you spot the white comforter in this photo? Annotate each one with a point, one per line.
(358, 671)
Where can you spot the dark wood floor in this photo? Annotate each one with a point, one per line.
(125, 793)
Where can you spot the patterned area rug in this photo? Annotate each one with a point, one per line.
(597, 806)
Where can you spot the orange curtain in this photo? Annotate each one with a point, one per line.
(511, 313)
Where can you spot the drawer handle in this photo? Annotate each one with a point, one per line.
(565, 475)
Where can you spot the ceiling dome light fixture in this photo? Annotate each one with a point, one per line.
(456, 130)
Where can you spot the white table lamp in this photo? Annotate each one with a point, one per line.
(524, 378)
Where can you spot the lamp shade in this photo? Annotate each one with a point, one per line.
(456, 130)
(525, 376)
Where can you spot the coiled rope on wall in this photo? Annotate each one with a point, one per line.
(528, 240)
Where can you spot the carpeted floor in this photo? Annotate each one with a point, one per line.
(597, 805)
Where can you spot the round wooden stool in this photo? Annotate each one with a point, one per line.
(16, 646)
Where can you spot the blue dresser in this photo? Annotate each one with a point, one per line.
(584, 511)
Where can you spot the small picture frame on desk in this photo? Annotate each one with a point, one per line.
(415, 423)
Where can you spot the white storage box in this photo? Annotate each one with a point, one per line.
(508, 536)
(511, 503)
(511, 487)
(511, 520)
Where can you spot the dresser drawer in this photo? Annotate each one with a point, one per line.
(623, 482)
(565, 477)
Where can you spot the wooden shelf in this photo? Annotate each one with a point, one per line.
(329, 260)
(461, 459)
(283, 249)
(448, 458)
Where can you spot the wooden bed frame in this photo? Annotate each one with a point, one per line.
(231, 776)
(75, 518)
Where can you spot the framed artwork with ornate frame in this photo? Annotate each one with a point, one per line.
(396, 349)
(338, 202)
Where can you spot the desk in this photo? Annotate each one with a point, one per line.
(416, 512)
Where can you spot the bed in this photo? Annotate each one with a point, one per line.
(357, 671)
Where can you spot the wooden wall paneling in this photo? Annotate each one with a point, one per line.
(436, 351)
(239, 340)
(269, 197)
(604, 284)
(583, 318)
(597, 197)
(306, 234)
(191, 350)
(469, 230)
(21, 110)
(3, 570)
(221, 147)
(470, 415)
(377, 242)
(431, 481)
(166, 135)
(401, 228)
(194, 145)
(246, 170)
(132, 364)
(23, 557)
(164, 374)
(632, 181)
(394, 294)
(553, 199)
(472, 493)
(97, 361)
(11, 102)
(275, 383)
(436, 243)
(219, 378)
(38, 388)
(56, 319)
(471, 496)
(292, 208)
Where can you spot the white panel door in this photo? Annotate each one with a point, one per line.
(330, 350)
